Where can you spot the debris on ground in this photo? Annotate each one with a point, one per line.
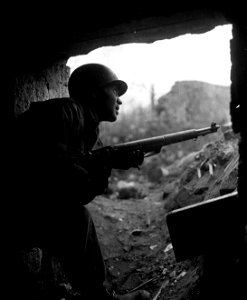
(131, 221)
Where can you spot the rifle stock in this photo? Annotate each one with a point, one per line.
(153, 145)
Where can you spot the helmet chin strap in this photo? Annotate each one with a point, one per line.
(93, 107)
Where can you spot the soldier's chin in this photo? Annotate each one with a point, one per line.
(112, 118)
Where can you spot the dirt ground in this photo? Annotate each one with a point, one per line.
(136, 247)
(133, 231)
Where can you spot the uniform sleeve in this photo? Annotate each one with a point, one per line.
(81, 180)
(49, 141)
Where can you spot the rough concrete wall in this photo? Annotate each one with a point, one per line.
(40, 85)
(238, 99)
(162, 25)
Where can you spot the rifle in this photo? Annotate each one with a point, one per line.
(149, 146)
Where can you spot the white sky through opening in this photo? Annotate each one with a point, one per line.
(202, 57)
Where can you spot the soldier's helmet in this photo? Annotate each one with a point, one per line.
(92, 77)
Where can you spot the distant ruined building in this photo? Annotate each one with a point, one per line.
(192, 104)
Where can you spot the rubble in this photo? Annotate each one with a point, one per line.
(145, 256)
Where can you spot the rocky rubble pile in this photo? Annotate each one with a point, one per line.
(202, 175)
(133, 230)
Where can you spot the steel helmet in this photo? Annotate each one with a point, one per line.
(91, 77)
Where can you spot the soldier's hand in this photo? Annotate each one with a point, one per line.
(127, 159)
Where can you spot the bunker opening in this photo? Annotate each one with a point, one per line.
(173, 85)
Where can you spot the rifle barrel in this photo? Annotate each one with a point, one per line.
(157, 142)
(203, 131)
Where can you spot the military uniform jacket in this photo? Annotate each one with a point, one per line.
(50, 137)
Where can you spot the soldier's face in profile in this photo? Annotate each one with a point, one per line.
(109, 104)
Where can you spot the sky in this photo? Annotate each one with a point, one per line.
(202, 57)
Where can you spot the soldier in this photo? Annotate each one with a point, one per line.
(52, 137)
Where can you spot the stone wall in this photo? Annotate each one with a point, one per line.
(40, 85)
